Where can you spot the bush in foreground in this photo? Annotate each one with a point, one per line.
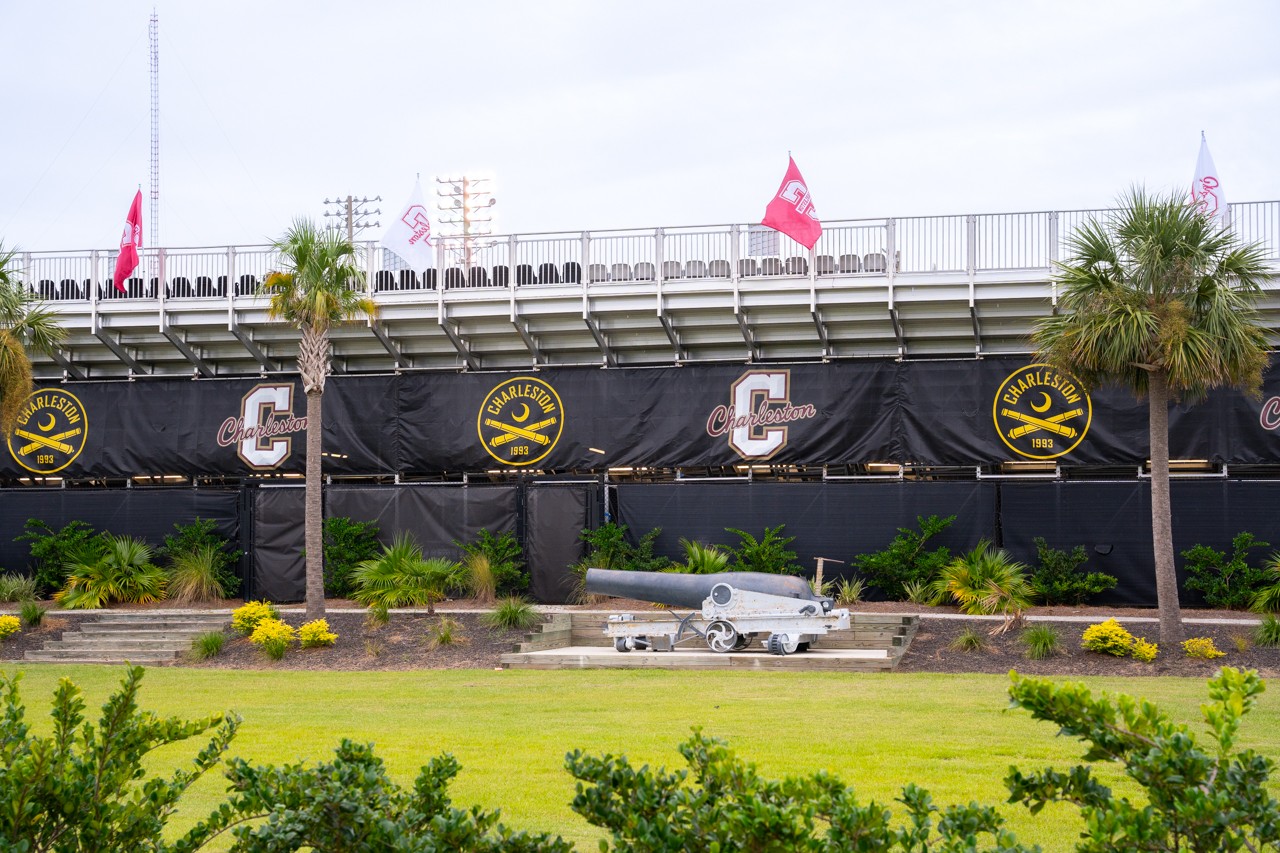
(15, 587)
(207, 645)
(273, 637)
(32, 614)
(112, 568)
(1057, 578)
(202, 560)
(1040, 641)
(9, 625)
(316, 633)
(1108, 638)
(246, 617)
(511, 614)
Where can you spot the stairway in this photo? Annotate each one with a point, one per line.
(151, 638)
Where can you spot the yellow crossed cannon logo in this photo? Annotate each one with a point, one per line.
(520, 421)
(1041, 413)
(50, 432)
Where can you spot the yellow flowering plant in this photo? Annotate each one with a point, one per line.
(316, 633)
(1201, 647)
(273, 637)
(246, 617)
(9, 625)
(1108, 638)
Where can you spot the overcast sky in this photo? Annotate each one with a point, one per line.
(611, 115)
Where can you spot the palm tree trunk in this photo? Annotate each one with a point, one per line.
(314, 536)
(1171, 634)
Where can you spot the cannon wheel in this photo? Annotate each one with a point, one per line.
(620, 644)
(722, 637)
(744, 641)
(778, 645)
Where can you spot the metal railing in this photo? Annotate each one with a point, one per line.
(847, 248)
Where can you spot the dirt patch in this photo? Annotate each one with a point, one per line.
(51, 628)
(930, 652)
(401, 644)
(1100, 613)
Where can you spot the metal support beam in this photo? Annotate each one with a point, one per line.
(609, 358)
(380, 332)
(63, 360)
(450, 329)
(817, 317)
(977, 330)
(897, 331)
(111, 343)
(179, 341)
(245, 337)
(530, 343)
(665, 320)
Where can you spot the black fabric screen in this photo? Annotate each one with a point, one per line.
(836, 520)
(555, 518)
(1118, 515)
(142, 513)
(279, 568)
(434, 515)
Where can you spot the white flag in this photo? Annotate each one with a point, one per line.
(410, 235)
(1206, 190)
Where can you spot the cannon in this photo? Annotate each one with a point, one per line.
(729, 610)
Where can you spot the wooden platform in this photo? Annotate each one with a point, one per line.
(700, 657)
(875, 643)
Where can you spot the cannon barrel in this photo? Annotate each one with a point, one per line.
(680, 590)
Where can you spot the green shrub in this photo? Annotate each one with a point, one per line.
(316, 633)
(207, 645)
(917, 592)
(608, 548)
(201, 542)
(400, 577)
(722, 804)
(273, 637)
(1108, 638)
(768, 554)
(15, 587)
(985, 581)
(506, 560)
(906, 560)
(850, 591)
(347, 544)
(1057, 578)
(482, 584)
(121, 571)
(446, 632)
(1195, 796)
(9, 625)
(703, 559)
(91, 787)
(968, 640)
(1040, 641)
(1230, 584)
(1267, 634)
(32, 614)
(246, 617)
(511, 614)
(52, 550)
(194, 576)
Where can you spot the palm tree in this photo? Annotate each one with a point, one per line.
(318, 287)
(1159, 298)
(25, 321)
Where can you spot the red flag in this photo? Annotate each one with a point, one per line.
(791, 210)
(130, 243)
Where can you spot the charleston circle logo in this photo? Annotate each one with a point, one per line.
(520, 421)
(1041, 413)
(51, 430)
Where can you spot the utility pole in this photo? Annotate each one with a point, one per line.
(465, 208)
(351, 215)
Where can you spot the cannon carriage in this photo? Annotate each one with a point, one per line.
(729, 611)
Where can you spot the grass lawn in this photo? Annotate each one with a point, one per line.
(510, 730)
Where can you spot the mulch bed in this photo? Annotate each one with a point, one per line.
(930, 652)
(401, 644)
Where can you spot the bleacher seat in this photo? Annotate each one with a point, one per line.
(180, 287)
(771, 266)
(501, 276)
(247, 285)
(747, 268)
(453, 278)
(572, 272)
(384, 280)
(524, 274)
(824, 265)
(548, 274)
(597, 272)
(429, 279)
(873, 262)
(850, 263)
(204, 286)
(620, 272)
(719, 269)
(695, 269)
(672, 269)
(797, 265)
(644, 271)
(479, 277)
(409, 280)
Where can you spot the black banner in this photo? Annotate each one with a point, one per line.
(933, 413)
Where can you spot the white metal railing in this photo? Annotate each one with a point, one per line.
(867, 247)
